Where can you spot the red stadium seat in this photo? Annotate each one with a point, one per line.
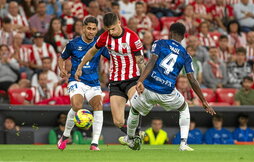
(226, 95)
(167, 21)
(19, 96)
(209, 94)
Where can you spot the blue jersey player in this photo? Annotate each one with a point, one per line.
(89, 85)
(156, 85)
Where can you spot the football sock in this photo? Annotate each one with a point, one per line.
(132, 122)
(184, 122)
(139, 126)
(69, 123)
(97, 126)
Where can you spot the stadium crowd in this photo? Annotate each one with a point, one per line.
(220, 39)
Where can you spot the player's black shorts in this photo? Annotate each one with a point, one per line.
(121, 88)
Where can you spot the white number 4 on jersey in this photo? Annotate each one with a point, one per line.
(168, 63)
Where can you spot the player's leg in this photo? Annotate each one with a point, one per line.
(94, 97)
(175, 101)
(77, 100)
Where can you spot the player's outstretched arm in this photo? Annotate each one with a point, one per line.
(147, 70)
(61, 64)
(88, 56)
(141, 63)
(195, 86)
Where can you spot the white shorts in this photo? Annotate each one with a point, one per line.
(89, 92)
(148, 99)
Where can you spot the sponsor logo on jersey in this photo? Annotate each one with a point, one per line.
(79, 48)
(138, 44)
(124, 45)
(157, 78)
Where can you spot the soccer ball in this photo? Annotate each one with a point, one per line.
(83, 119)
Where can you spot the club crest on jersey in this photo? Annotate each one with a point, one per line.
(79, 48)
(124, 45)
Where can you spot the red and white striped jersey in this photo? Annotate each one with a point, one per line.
(18, 20)
(39, 95)
(199, 8)
(144, 23)
(78, 10)
(232, 2)
(221, 11)
(122, 51)
(6, 37)
(23, 53)
(225, 56)
(250, 53)
(207, 40)
(61, 90)
(46, 50)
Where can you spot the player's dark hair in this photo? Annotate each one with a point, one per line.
(248, 78)
(90, 19)
(218, 117)
(178, 28)
(139, 3)
(10, 118)
(41, 2)
(156, 118)
(192, 120)
(241, 50)
(115, 3)
(6, 20)
(109, 19)
(242, 115)
(223, 37)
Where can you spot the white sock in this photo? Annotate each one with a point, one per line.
(69, 123)
(184, 122)
(132, 123)
(97, 126)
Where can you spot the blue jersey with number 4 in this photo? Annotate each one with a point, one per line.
(76, 49)
(172, 57)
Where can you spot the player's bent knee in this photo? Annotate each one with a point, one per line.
(77, 106)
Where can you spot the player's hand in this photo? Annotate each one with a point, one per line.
(140, 87)
(208, 108)
(78, 74)
(63, 73)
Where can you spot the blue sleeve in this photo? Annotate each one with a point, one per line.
(156, 47)
(176, 139)
(105, 52)
(208, 137)
(229, 140)
(188, 66)
(66, 52)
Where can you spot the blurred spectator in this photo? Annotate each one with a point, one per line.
(184, 88)
(116, 10)
(201, 52)
(225, 51)
(52, 77)
(6, 32)
(23, 83)
(56, 133)
(29, 7)
(161, 8)
(19, 23)
(40, 21)
(22, 55)
(41, 49)
(9, 68)
(143, 21)
(244, 12)
(3, 8)
(55, 35)
(84, 136)
(10, 124)
(196, 63)
(78, 9)
(222, 13)
(201, 11)
(77, 28)
(105, 6)
(155, 134)
(250, 45)
(54, 8)
(194, 137)
(236, 37)
(245, 96)
(214, 70)
(133, 24)
(238, 69)
(147, 44)
(243, 133)
(204, 36)
(67, 19)
(41, 91)
(189, 20)
(94, 10)
(127, 9)
(217, 134)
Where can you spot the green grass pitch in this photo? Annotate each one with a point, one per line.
(118, 153)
